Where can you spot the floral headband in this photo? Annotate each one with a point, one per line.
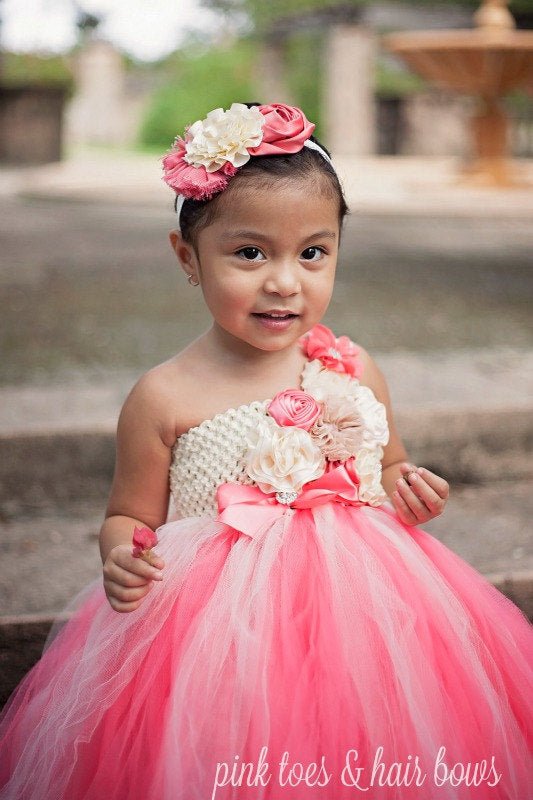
(214, 148)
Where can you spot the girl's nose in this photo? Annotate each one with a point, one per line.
(283, 279)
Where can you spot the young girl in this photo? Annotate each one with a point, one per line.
(295, 636)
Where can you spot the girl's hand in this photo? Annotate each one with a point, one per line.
(420, 495)
(127, 580)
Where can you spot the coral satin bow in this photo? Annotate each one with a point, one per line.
(248, 509)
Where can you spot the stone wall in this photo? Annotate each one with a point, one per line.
(435, 123)
(108, 106)
(31, 124)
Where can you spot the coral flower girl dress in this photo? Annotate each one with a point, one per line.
(304, 642)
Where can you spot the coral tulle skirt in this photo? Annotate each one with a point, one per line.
(337, 654)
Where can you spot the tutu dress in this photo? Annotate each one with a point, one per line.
(303, 643)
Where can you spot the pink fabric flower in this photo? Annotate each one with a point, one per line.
(339, 355)
(193, 181)
(285, 130)
(143, 540)
(294, 407)
(225, 139)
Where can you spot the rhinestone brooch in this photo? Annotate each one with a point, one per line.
(334, 353)
(286, 497)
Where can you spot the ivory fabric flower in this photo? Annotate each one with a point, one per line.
(338, 355)
(323, 383)
(368, 468)
(374, 418)
(338, 430)
(294, 407)
(282, 459)
(224, 136)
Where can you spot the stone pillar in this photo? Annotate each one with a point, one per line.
(349, 103)
(95, 113)
(269, 76)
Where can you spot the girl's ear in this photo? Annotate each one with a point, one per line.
(184, 253)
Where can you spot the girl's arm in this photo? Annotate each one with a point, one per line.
(421, 495)
(139, 493)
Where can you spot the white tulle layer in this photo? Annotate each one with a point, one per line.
(335, 630)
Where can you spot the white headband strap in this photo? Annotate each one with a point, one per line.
(180, 199)
(314, 146)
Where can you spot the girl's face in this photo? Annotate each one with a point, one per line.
(267, 263)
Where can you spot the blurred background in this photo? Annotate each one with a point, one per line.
(132, 74)
(94, 92)
(433, 140)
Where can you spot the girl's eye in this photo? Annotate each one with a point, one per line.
(250, 253)
(312, 253)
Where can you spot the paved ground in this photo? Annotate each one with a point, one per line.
(91, 288)
(435, 278)
(396, 185)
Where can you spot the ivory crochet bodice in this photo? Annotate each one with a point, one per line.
(214, 452)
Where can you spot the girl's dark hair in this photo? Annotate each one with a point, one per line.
(196, 214)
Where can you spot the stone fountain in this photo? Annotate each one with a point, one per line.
(487, 61)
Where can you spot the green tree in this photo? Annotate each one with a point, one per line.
(264, 14)
(200, 82)
(23, 68)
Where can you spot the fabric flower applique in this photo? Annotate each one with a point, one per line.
(294, 407)
(338, 355)
(191, 181)
(375, 428)
(294, 444)
(368, 468)
(285, 129)
(321, 431)
(215, 148)
(144, 539)
(282, 459)
(224, 136)
(338, 430)
(323, 383)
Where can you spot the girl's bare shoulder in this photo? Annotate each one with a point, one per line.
(166, 397)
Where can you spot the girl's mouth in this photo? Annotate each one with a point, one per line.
(275, 321)
(274, 315)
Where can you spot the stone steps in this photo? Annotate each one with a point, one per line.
(467, 415)
(46, 469)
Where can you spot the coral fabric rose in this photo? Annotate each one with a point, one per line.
(143, 541)
(191, 181)
(282, 459)
(294, 407)
(285, 129)
(339, 355)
